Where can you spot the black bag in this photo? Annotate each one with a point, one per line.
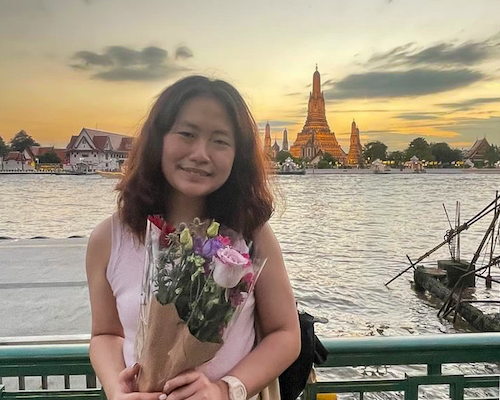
(294, 379)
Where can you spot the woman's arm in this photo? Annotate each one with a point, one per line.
(280, 344)
(106, 343)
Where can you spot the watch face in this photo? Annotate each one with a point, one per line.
(237, 390)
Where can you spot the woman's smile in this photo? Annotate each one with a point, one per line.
(195, 171)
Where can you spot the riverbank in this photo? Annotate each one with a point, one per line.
(432, 171)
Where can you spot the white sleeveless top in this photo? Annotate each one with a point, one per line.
(124, 274)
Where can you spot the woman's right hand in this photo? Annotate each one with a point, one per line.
(127, 386)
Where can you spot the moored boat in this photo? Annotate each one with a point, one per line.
(110, 174)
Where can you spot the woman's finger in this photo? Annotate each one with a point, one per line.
(145, 396)
(184, 392)
(129, 373)
(182, 379)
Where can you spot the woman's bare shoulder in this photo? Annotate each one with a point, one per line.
(264, 235)
(99, 245)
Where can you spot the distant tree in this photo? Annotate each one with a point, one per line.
(444, 154)
(397, 156)
(282, 156)
(49, 158)
(21, 141)
(420, 148)
(323, 164)
(4, 148)
(374, 150)
(492, 155)
(329, 158)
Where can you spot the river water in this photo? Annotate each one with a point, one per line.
(342, 236)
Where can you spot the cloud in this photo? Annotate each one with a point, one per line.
(88, 59)
(340, 111)
(275, 124)
(120, 63)
(470, 104)
(412, 83)
(183, 52)
(442, 54)
(474, 128)
(415, 116)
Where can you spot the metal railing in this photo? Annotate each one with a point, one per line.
(44, 358)
(432, 351)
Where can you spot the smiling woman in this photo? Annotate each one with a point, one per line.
(198, 158)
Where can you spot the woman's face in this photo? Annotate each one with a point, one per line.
(198, 152)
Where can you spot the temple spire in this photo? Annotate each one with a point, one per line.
(284, 144)
(316, 83)
(267, 140)
(355, 155)
(316, 134)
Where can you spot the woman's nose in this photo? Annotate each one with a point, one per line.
(199, 151)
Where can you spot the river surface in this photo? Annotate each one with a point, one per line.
(342, 236)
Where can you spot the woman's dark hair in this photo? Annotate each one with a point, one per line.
(243, 203)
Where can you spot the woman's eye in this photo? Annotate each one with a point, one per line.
(221, 142)
(186, 134)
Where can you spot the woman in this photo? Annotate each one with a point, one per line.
(198, 155)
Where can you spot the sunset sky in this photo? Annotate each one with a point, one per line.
(400, 68)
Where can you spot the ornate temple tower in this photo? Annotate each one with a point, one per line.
(267, 141)
(285, 140)
(355, 156)
(275, 149)
(316, 123)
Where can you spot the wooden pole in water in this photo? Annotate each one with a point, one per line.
(450, 235)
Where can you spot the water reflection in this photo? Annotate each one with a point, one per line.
(343, 237)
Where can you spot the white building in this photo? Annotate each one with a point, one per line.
(18, 161)
(97, 150)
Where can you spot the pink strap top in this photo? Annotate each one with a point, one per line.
(124, 274)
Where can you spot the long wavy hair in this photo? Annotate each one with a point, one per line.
(244, 202)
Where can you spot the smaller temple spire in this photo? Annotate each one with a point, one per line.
(284, 144)
(267, 140)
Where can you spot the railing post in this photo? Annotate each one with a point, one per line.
(91, 381)
(457, 390)
(434, 369)
(22, 383)
(411, 392)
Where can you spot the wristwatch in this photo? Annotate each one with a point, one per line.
(237, 390)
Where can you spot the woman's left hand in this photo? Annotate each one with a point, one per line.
(194, 385)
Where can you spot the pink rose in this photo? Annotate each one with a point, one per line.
(229, 267)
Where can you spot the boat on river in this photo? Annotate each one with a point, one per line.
(110, 174)
(289, 167)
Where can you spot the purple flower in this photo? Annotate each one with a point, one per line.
(210, 247)
(198, 245)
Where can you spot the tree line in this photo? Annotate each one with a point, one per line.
(441, 153)
(20, 142)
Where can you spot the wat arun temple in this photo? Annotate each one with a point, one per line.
(316, 138)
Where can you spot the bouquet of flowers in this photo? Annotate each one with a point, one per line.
(195, 284)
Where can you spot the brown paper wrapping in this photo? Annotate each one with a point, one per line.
(169, 348)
